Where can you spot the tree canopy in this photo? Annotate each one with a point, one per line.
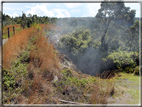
(110, 11)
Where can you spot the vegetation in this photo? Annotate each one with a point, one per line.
(26, 21)
(106, 52)
(22, 62)
(127, 85)
(126, 61)
(5, 30)
(110, 44)
(29, 70)
(76, 42)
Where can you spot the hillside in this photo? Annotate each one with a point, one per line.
(35, 72)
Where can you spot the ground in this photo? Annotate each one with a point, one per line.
(126, 90)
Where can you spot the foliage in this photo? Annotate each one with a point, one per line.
(137, 70)
(23, 21)
(122, 59)
(110, 11)
(70, 79)
(27, 21)
(76, 42)
(14, 78)
(8, 80)
(29, 62)
(131, 37)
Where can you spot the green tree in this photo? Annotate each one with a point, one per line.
(23, 21)
(110, 11)
(131, 37)
(29, 20)
(76, 42)
(7, 20)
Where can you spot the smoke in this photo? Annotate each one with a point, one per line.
(90, 61)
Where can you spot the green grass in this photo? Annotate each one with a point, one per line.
(130, 77)
(135, 95)
(131, 86)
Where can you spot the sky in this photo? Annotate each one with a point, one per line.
(59, 10)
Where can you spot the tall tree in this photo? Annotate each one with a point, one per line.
(23, 21)
(110, 11)
(131, 37)
(29, 20)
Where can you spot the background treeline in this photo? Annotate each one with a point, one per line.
(27, 21)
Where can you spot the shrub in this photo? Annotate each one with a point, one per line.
(76, 42)
(101, 91)
(122, 60)
(136, 71)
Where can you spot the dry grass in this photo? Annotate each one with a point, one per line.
(14, 46)
(43, 56)
(10, 26)
(42, 67)
(17, 43)
(102, 89)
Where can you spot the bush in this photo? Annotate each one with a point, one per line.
(76, 42)
(123, 60)
(137, 70)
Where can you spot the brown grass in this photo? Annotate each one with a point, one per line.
(43, 56)
(43, 63)
(102, 89)
(10, 27)
(15, 44)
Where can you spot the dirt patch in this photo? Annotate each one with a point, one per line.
(123, 99)
(125, 92)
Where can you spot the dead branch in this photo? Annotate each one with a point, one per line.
(69, 101)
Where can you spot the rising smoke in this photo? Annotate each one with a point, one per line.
(90, 61)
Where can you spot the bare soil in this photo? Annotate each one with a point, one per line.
(126, 92)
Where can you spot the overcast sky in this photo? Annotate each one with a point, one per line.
(59, 9)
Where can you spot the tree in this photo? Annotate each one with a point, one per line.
(77, 42)
(34, 18)
(131, 37)
(23, 21)
(29, 20)
(110, 11)
(7, 20)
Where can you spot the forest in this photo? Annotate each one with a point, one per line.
(108, 42)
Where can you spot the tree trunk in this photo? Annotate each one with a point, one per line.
(103, 44)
